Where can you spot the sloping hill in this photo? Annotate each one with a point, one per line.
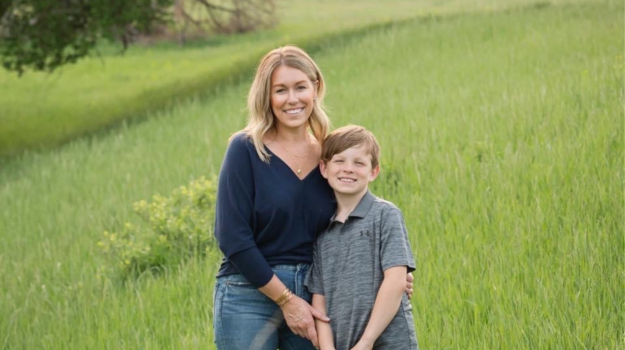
(501, 143)
(40, 111)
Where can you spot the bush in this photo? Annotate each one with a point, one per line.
(174, 228)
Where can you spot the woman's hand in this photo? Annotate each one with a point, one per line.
(299, 316)
(409, 281)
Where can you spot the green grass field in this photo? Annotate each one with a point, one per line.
(502, 142)
(41, 110)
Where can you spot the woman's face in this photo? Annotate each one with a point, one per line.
(292, 97)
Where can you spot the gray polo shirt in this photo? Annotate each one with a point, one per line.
(349, 260)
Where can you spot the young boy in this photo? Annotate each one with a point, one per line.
(360, 261)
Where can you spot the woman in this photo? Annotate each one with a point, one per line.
(271, 203)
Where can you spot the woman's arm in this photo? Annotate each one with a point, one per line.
(326, 340)
(386, 305)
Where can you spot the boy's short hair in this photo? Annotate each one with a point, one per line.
(347, 137)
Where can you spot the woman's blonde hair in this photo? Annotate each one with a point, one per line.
(261, 118)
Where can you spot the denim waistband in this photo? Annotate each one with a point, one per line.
(290, 267)
(295, 268)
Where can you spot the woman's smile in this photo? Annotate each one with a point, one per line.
(294, 111)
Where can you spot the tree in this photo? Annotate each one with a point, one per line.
(223, 17)
(241, 16)
(45, 34)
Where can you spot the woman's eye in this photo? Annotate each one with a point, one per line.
(279, 91)
(301, 88)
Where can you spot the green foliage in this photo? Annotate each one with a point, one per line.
(43, 35)
(175, 228)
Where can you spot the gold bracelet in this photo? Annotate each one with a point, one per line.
(285, 297)
(288, 297)
(281, 300)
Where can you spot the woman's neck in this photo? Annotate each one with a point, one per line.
(292, 136)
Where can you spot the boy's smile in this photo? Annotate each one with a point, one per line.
(350, 171)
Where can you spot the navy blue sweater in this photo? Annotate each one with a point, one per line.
(266, 215)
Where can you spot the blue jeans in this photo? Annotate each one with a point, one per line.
(245, 319)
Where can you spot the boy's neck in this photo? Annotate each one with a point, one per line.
(346, 203)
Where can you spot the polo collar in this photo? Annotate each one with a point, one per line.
(363, 207)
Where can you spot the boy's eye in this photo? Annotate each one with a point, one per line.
(338, 161)
(359, 163)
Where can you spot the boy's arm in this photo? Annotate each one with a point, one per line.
(385, 308)
(324, 331)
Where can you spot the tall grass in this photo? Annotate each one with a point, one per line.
(40, 110)
(502, 142)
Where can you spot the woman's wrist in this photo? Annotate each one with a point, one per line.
(284, 297)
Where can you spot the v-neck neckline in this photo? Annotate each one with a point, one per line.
(289, 168)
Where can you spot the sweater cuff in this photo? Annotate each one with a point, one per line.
(252, 265)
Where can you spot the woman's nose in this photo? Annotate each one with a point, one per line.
(292, 98)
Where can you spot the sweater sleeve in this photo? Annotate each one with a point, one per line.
(234, 214)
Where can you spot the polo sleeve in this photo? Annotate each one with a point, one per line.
(395, 246)
(234, 214)
(314, 281)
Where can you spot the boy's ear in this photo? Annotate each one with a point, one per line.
(374, 173)
(323, 168)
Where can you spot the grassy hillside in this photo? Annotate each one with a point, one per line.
(502, 141)
(41, 110)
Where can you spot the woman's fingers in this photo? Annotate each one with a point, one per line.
(319, 315)
(312, 335)
(299, 318)
(409, 282)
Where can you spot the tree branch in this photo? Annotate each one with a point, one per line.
(210, 6)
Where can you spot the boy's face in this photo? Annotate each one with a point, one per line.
(350, 171)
